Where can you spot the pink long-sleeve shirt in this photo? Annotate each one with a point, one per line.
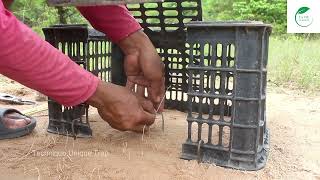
(30, 60)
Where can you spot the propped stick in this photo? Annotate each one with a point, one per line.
(162, 126)
(162, 117)
(35, 110)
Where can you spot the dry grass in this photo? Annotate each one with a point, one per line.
(295, 63)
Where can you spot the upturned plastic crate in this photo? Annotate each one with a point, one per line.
(92, 51)
(164, 23)
(227, 74)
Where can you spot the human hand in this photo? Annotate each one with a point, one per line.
(121, 108)
(143, 66)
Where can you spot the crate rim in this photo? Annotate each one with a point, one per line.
(201, 24)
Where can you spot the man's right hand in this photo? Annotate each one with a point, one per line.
(121, 108)
(143, 67)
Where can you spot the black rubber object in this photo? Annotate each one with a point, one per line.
(6, 133)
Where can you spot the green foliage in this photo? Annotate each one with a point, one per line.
(36, 14)
(217, 9)
(268, 11)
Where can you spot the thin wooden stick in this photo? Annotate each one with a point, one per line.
(142, 137)
(38, 173)
(162, 117)
(162, 126)
(35, 110)
(92, 173)
(164, 96)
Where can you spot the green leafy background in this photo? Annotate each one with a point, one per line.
(37, 14)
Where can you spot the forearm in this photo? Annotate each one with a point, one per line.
(115, 21)
(28, 59)
(142, 65)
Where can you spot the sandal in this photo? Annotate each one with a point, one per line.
(7, 133)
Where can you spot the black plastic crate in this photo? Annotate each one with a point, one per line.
(227, 94)
(163, 22)
(92, 51)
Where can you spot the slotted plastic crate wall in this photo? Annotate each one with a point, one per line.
(164, 22)
(227, 94)
(92, 51)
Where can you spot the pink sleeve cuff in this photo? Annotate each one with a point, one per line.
(91, 87)
(115, 21)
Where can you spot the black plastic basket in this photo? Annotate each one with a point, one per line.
(227, 94)
(221, 65)
(92, 51)
(163, 22)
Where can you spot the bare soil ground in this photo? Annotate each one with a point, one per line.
(293, 119)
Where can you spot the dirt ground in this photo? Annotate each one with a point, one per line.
(293, 119)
